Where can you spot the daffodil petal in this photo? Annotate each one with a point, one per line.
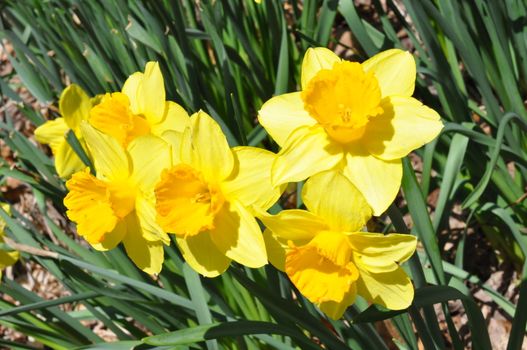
(395, 71)
(8, 258)
(131, 89)
(211, 154)
(52, 133)
(316, 59)
(67, 162)
(110, 159)
(378, 180)
(146, 255)
(111, 239)
(294, 224)
(335, 310)
(307, 152)
(238, 235)
(379, 253)
(146, 213)
(282, 115)
(331, 196)
(175, 118)
(276, 249)
(74, 106)
(151, 94)
(250, 181)
(202, 255)
(393, 290)
(405, 125)
(149, 155)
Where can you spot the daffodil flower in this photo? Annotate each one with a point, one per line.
(139, 109)
(118, 204)
(327, 257)
(74, 107)
(209, 195)
(357, 117)
(7, 257)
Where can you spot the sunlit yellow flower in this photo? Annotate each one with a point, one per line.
(208, 196)
(139, 109)
(118, 204)
(7, 257)
(74, 106)
(351, 116)
(327, 257)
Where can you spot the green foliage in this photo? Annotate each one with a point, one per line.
(228, 57)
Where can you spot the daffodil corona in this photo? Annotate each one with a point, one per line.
(358, 118)
(327, 257)
(118, 203)
(209, 195)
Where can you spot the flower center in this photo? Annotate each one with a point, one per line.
(114, 117)
(322, 269)
(185, 203)
(343, 99)
(96, 206)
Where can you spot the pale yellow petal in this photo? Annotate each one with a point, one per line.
(395, 71)
(405, 125)
(175, 141)
(211, 152)
(149, 156)
(202, 254)
(316, 59)
(146, 255)
(109, 158)
(296, 225)
(331, 196)
(308, 151)
(276, 249)
(378, 180)
(8, 258)
(378, 253)
(111, 239)
(52, 133)
(393, 290)
(238, 236)
(131, 89)
(175, 118)
(74, 106)
(146, 214)
(67, 162)
(250, 181)
(150, 97)
(282, 115)
(335, 310)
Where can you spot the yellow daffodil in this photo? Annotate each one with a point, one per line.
(7, 257)
(327, 257)
(208, 196)
(74, 106)
(118, 203)
(357, 117)
(139, 109)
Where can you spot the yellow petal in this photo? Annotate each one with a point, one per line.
(376, 252)
(238, 236)
(331, 196)
(67, 162)
(149, 155)
(250, 181)
(394, 70)
(378, 180)
(335, 310)
(294, 224)
(316, 59)
(146, 255)
(109, 158)
(175, 119)
(131, 89)
(276, 249)
(393, 290)
(111, 239)
(282, 115)
(211, 154)
(150, 94)
(307, 152)
(74, 106)
(52, 133)
(202, 254)
(405, 125)
(146, 213)
(8, 258)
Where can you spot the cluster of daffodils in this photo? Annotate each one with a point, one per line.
(158, 171)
